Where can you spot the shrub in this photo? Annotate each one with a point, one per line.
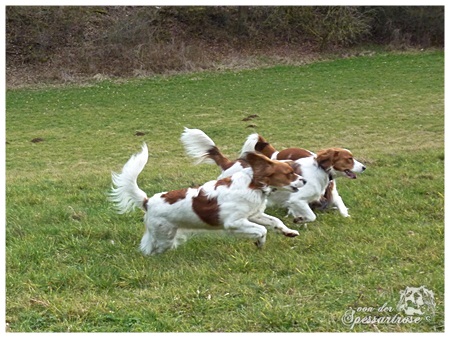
(128, 40)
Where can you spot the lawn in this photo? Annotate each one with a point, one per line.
(73, 264)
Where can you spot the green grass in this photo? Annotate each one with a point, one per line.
(73, 264)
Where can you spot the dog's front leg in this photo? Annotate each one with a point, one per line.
(273, 223)
(336, 200)
(243, 227)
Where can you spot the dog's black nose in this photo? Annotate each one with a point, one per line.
(363, 168)
(304, 181)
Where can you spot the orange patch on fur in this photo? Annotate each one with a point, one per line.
(338, 158)
(327, 195)
(344, 160)
(264, 147)
(223, 162)
(145, 204)
(293, 154)
(242, 162)
(325, 158)
(174, 196)
(269, 173)
(207, 209)
(224, 181)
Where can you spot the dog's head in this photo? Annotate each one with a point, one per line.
(273, 174)
(339, 161)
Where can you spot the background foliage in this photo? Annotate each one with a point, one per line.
(61, 43)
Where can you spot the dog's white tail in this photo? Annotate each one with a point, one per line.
(197, 143)
(249, 145)
(125, 192)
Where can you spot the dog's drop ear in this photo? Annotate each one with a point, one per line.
(262, 168)
(257, 159)
(259, 146)
(259, 163)
(326, 158)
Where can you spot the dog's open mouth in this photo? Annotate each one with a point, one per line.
(350, 174)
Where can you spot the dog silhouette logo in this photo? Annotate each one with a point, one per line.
(417, 301)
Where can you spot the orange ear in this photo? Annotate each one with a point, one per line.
(326, 158)
(264, 147)
(262, 168)
(259, 146)
(258, 162)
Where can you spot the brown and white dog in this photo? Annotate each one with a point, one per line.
(319, 170)
(330, 198)
(235, 204)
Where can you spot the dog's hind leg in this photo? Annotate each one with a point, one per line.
(245, 228)
(159, 238)
(147, 243)
(273, 223)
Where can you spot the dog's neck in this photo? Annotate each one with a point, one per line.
(328, 171)
(255, 185)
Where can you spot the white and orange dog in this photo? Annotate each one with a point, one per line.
(336, 162)
(235, 204)
(319, 170)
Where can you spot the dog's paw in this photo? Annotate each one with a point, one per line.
(259, 245)
(260, 242)
(291, 233)
(344, 212)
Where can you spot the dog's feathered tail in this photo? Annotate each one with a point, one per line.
(125, 192)
(197, 145)
(256, 142)
(202, 148)
(250, 144)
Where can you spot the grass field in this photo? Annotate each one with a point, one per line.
(73, 264)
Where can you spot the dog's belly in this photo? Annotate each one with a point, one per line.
(278, 198)
(307, 194)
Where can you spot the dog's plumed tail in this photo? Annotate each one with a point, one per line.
(198, 145)
(249, 145)
(125, 192)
